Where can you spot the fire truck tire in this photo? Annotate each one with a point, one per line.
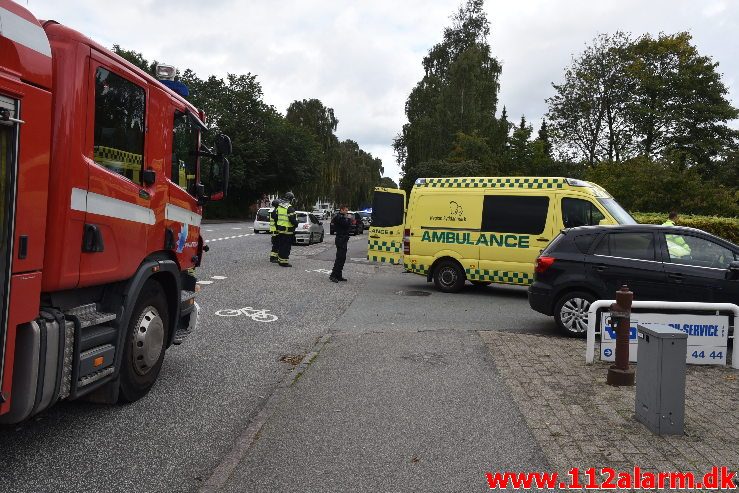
(143, 350)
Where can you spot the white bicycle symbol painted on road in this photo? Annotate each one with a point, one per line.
(253, 313)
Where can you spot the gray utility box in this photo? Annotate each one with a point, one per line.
(660, 379)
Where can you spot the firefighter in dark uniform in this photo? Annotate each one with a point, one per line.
(286, 220)
(341, 223)
(273, 231)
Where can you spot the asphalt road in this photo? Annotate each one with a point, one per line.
(214, 384)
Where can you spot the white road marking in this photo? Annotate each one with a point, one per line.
(359, 259)
(218, 277)
(235, 228)
(229, 237)
(209, 230)
(320, 271)
(253, 313)
(205, 282)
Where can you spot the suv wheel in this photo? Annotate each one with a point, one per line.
(571, 313)
(449, 277)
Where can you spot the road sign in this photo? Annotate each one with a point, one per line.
(707, 335)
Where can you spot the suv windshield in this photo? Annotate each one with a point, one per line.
(618, 212)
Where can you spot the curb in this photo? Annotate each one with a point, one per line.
(244, 441)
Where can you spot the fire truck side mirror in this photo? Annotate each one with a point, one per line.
(223, 145)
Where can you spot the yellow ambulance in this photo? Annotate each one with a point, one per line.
(482, 230)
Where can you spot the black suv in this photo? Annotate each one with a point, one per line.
(357, 226)
(667, 263)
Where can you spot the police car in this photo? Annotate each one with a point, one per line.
(481, 230)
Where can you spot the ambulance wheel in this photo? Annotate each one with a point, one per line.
(449, 277)
(143, 349)
(571, 313)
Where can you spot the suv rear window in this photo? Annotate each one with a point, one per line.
(514, 214)
(263, 215)
(583, 242)
(553, 244)
(627, 245)
(302, 218)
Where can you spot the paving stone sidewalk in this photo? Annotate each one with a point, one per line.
(579, 421)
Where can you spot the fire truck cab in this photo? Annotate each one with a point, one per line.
(100, 208)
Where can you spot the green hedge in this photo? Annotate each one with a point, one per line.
(725, 227)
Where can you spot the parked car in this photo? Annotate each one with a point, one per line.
(667, 263)
(357, 226)
(309, 229)
(366, 219)
(261, 221)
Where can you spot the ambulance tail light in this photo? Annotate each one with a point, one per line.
(543, 263)
(406, 242)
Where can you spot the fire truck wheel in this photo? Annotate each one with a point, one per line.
(143, 351)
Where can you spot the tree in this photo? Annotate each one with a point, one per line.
(520, 150)
(543, 137)
(472, 148)
(633, 183)
(274, 153)
(678, 106)
(458, 93)
(658, 98)
(587, 110)
(387, 182)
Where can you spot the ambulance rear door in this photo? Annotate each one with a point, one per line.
(388, 221)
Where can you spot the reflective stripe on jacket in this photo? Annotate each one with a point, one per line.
(272, 223)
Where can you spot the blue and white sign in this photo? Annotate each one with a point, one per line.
(707, 335)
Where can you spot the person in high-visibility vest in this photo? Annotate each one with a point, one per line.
(677, 247)
(671, 219)
(273, 231)
(286, 220)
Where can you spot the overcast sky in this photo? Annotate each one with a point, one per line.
(363, 57)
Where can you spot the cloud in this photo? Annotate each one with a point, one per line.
(363, 58)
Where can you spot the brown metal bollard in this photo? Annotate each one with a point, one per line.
(619, 373)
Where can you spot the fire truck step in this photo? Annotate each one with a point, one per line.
(89, 316)
(186, 296)
(97, 335)
(94, 377)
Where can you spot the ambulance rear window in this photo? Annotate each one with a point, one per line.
(387, 209)
(515, 214)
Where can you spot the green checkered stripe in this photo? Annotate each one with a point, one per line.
(416, 269)
(499, 276)
(380, 258)
(385, 246)
(512, 182)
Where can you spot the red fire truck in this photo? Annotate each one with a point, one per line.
(100, 207)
